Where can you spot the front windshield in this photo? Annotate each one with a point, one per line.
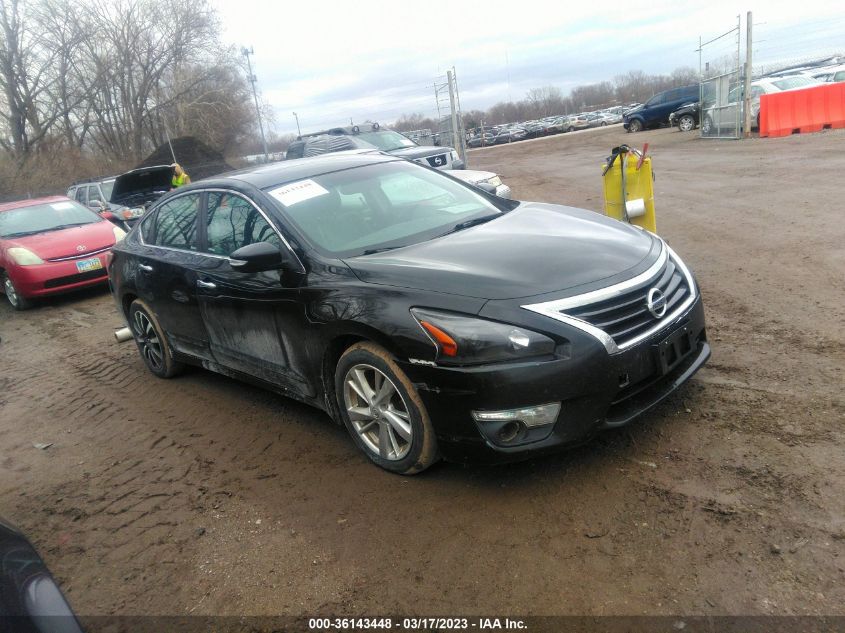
(386, 140)
(41, 218)
(386, 205)
(107, 188)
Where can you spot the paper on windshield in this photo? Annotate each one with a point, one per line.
(61, 206)
(298, 192)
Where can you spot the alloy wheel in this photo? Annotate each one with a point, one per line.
(378, 412)
(11, 293)
(148, 340)
(686, 123)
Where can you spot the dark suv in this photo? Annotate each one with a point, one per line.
(372, 136)
(655, 112)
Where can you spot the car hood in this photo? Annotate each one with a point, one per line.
(420, 151)
(142, 185)
(532, 250)
(70, 242)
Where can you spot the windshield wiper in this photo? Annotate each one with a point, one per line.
(69, 226)
(460, 226)
(373, 251)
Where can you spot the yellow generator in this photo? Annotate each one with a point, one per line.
(629, 187)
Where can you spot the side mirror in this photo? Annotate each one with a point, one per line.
(257, 257)
(458, 164)
(486, 187)
(97, 205)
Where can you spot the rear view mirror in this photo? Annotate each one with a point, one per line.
(257, 257)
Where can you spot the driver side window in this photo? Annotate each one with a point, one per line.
(232, 222)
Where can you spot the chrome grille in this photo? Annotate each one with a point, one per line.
(618, 316)
(80, 255)
(627, 316)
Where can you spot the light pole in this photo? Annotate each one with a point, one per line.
(298, 131)
(252, 79)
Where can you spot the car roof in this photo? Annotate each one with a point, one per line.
(31, 202)
(264, 176)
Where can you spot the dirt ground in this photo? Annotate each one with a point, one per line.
(205, 496)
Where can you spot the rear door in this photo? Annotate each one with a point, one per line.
(166, 276)
(255, 321)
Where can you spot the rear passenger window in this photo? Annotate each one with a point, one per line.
(175, 224)
(232, 222)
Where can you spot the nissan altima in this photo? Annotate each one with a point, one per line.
(432, 319)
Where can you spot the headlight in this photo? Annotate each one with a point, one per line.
(119, 233)
(131, 214)
(24, 256)
(466, 340)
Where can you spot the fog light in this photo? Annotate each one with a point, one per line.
(539, 415)
(509, 432)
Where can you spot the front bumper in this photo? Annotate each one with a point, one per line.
(597, 391)
(57, 277)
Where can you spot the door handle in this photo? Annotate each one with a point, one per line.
(146, 268)
(206, 284)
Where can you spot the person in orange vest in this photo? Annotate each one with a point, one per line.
(180, 177)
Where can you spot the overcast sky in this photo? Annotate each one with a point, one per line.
(332, 61)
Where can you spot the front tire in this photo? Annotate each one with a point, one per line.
(383, 411)
(706, 126)
(635, 125)
(686, 123)
(152, 343)
(16, 300)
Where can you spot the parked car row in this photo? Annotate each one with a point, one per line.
(725, 117)
(374, 138)
(510, 132)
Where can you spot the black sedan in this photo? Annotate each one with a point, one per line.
(30, 600)
(429, 317)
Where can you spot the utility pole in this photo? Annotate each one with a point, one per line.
(298, 131)
(450, 77)
(747, 100)
(252, 79)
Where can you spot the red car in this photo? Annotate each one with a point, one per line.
(52, 245)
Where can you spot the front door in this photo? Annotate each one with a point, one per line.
(255, 323)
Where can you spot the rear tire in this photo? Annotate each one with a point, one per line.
(635, 125)
(383, 411)
(152, 343)
(706, 126)
(16, 300)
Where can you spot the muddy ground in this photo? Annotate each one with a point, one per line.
(201, 495)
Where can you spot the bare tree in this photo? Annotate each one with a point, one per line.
(33, 53)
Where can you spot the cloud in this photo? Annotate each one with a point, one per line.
(330, 61)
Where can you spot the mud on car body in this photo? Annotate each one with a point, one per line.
(431, 318)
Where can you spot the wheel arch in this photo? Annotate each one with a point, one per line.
(341, 341)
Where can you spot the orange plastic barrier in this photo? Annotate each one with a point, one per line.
(801, 111)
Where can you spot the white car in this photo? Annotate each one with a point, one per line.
(830, 74)
(726, 117)
(483, 177)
